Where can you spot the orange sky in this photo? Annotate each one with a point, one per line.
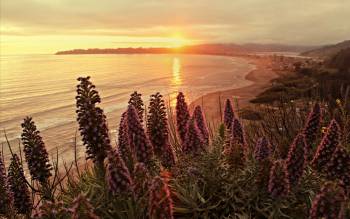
(46, 26)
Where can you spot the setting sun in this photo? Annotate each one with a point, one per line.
(178, 40)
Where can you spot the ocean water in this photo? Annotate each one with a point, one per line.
(43, 86)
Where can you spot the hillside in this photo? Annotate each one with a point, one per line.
(327, 51)
(341, 60)
(215, 49)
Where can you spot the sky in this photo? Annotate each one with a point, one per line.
(47, 26)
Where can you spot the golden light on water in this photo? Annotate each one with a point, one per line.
(176, 80)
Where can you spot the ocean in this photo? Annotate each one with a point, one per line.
(44, 86)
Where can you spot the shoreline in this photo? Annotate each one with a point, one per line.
(261, 79)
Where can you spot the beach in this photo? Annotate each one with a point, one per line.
(260, 79)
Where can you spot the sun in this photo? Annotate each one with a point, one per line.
(178, 40)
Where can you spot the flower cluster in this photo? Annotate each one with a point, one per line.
(157, 130)
(329, 203)
(141, 178)
(235, 148)
(92, 121)
(296, 159)
(136, 101)
(312, 125)
(18, 186)
(182, 116)
(160, 201)
(194, 143)
(339, 165)
(201, 124)
(327, 146)
(228, 114)
(237, 135)
(6, 196)
(117, 175)
(124, 149)
(262, 149)
(278, 182)
(262, 153)
(82, 208)
(138, 139)
(35, 152)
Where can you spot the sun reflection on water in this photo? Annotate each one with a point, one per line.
(176, 80)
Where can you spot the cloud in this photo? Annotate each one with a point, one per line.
(289, 21)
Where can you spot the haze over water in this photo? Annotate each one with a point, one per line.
(43, 86)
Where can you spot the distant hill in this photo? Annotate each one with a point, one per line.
(327, 51)
(218, 49)
(341, 60)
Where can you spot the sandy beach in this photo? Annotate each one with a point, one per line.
(261, 79)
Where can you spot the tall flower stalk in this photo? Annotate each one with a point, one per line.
(92, 122)
(194, 143)
(157, 130)
(312, 126)
(137, 137)
(124, 149)
(117, 175)
(338, 168)
(160, 201)
(182, 116)
(235, 148)
(296, 159)
(5, 193)
(18, 186)
(263, 149)
(325, 150)
(35, 152)
(136, 101)
(262, 154)
(279, 185)
(328, 203)
(201, 124)
(228, 114)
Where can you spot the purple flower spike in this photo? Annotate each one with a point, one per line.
(194, 143)
(124, 149)
(6, 195)
(157, 130)
(237, 133)
(182, 116)
(92, 122)
(339, 166)
(141, 179)
(312, 125)
(296, 159)
(329, 203)
(278, 183)
(228, 114)
(18, 186)
(137, 138)
(35, 152)
(117, 175)
(325, 150)
(136, 101)
(262, 149)
(201, 124)
(160, 201)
